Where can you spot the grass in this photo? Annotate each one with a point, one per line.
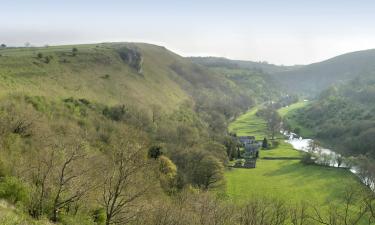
(249, 124)
(284, 178)
(81, 76)
(9, 215)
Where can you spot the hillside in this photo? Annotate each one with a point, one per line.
(311, 79)
(252, 77)
(342, 116)
(75, 119)
(241, 64)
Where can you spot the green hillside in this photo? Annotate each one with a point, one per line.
(70, 114)
(343, 117)
(242, 64)
(97, 73)
(311, 79)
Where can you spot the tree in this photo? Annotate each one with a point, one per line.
(168, 174)
(273, 122)
(208, 173)
(3, 46)
(350, 212)
(123, 184)
(314, 146)
(155, 151)
(71, 182)
(230, 144)
(74, 51)
(339, 159)
(265, 143)
(272, 118)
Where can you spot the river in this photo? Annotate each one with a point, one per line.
(326, 155)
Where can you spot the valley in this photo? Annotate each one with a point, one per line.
(84, 121)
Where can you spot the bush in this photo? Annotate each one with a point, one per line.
(308, 158)
(155, 152)
(74, 51)
(99, 216)
(13, 190)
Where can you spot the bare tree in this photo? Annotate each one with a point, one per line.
(71, 180)
(352, 211)
(123, 185)
(299, 214)
(40, 169)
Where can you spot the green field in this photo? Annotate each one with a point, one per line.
(286, 179)
(242, 126)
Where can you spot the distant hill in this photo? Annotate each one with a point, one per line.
(241, 64)
(313, 78)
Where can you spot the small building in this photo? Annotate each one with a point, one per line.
(250, 145)
(251, 152)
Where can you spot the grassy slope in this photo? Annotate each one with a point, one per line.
(242, 126)
(82, 76)
(11, 216)
(287, 179)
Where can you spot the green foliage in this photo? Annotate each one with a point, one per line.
(155, 151)
(14, 190)
(342, 118)
(168, 178)
(99, 216)
(209, 173)
(74, 51)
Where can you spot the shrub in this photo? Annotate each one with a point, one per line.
(155, 152)
(308, 158)
(13, 190)
(74, 51)
(40, 55)
(99, 216)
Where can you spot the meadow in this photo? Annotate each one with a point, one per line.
(287, 179)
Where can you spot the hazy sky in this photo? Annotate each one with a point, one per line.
(277, 31)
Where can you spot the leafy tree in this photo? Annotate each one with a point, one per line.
(155, 151)
(74, 51)
(3, 46)
(273, 119)
(168, 171)
(209, 173)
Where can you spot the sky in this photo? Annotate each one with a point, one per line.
(284, 32)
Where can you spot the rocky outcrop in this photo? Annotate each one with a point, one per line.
(132, 57)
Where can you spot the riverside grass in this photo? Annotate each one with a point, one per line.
(286, 179)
